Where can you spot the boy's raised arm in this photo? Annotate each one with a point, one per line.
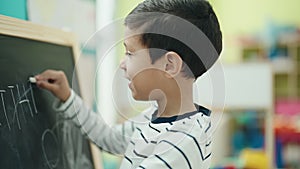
(111, 139)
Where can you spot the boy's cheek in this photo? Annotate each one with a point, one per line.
(145, 83)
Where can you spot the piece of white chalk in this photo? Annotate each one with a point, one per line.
(32, 80)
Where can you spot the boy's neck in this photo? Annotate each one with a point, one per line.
(177, 103)
(170, 108)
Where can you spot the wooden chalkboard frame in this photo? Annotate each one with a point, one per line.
(25, 29)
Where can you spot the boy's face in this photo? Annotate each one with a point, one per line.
(144, 76)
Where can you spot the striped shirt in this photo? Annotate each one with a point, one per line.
(148, 141)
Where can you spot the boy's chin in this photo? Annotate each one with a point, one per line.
(138, 97)
(154, 95)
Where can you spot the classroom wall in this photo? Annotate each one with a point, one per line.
(242, 17)
(124, 7)
(14, 8)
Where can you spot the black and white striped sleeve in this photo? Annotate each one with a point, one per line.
(111, 139)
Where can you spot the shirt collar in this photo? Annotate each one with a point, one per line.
(200, 109)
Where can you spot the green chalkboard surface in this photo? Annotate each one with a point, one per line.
(32, 134)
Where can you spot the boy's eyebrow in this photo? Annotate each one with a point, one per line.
(127, 47)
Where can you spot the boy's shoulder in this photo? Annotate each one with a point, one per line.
(144, 116)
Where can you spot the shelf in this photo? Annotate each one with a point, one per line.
(285, 61)
(298, 85)
(281, 93)
(298, 55)
(283, 65)
(243, 134)
(254, 54)
(281, 81)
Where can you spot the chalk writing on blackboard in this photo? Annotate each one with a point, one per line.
(17, 95)
(4, 109)
(60, 146)
(52, 162)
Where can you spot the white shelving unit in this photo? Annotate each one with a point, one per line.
(245, 86)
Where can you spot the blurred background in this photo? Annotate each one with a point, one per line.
(257, 124)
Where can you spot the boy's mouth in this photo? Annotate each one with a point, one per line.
(129, 82)
(130, 85)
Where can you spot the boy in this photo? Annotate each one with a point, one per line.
(165, 54)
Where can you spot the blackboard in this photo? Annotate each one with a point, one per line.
(32, 134)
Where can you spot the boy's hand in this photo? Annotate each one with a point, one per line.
(56, 82)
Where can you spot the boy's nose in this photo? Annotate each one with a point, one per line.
(122, 64)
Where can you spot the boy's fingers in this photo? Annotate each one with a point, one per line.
(47, 75)
(46, 85)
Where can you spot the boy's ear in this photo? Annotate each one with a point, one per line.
(173, 64)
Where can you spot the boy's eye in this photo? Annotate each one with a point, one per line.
(128, 53)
